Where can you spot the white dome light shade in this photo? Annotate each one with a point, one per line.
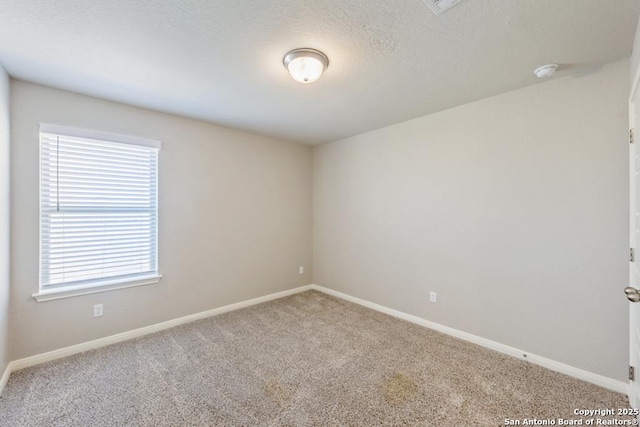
(306, 65)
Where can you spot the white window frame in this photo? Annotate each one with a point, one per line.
(48, 293)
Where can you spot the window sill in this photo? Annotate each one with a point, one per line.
(106, 287)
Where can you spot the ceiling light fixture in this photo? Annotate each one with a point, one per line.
(306, 65)
(545, 70)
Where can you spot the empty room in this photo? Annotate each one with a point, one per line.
(319, 213)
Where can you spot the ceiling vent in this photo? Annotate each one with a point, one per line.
(439, 6)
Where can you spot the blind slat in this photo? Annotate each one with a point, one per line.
(131, 247)
(94, 257)
(83, 268)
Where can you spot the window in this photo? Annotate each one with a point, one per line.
(98, 210)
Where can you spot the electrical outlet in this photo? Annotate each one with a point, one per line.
(301, 269)
(97, 310)
(433, 296)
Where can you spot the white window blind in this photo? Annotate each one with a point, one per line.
(98, 209)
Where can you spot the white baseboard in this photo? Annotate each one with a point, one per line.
(553, 365)
(602, 381)
(5, 378)
(16, 365)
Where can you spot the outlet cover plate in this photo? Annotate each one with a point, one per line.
(97, 310)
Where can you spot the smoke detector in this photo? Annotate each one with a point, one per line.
(439, 6)
(545, 71)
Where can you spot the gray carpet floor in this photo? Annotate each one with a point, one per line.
(305, 360)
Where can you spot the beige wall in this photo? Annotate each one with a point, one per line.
(514, 209)
(235, 220)
(635, 55)
(4, 220)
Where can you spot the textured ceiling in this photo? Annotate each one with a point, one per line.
(221, 61)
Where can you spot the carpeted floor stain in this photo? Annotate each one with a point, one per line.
(277, 391)
(399, 388)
